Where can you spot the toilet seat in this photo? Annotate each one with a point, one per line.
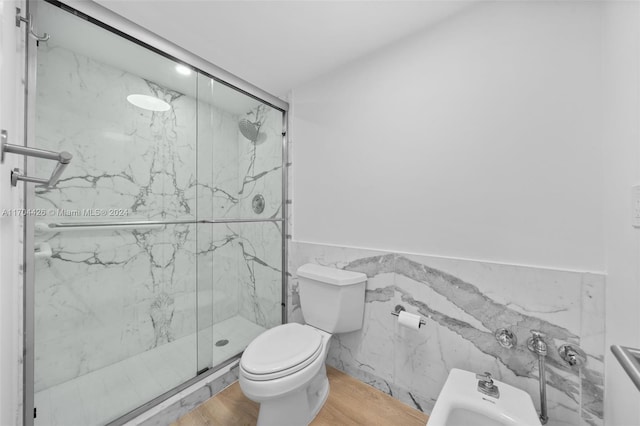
(281, 351)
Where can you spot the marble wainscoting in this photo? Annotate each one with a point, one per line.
(463, 303)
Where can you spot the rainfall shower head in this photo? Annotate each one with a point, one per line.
(249, 130)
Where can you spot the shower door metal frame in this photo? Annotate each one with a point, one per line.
(28, 244)
(110, 21)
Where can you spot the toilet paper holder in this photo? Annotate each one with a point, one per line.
(400, 308)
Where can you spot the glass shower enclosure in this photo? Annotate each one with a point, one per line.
(159, 253)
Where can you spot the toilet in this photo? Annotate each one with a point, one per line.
(283, 369)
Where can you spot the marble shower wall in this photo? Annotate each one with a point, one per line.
(106, 295)
(464, 302)
(233, 170)
(260, 272)
(217, 183)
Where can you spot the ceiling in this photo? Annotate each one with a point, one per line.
(279, 45)
(119, 53)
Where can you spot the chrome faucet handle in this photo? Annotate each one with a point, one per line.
(486, 377)
(537, 334)
(486, 386)
(536, 343)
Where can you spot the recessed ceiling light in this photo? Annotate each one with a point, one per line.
(181, 69)
(148, 102)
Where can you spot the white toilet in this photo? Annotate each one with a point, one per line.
(283, 369)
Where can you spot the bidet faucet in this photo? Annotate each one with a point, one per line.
(538, 346)
(486, 386)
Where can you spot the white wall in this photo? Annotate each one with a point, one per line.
(621, 147)
(508, 133)
(478, 138)
(11, 96)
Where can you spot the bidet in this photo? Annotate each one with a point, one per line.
(464, 402)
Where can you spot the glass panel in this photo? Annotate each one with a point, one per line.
(115, 310)
(239, 176)
(247, 288)
(239, 154)
(126, 313)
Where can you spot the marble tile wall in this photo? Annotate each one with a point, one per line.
(464, 302)
(106, 295)
(217, 261)
(260, 272)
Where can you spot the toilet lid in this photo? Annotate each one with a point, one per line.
(281, 348)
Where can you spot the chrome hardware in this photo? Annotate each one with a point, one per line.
(257, 204)
(486, 386)
(400, 308)
(536, 343)
(58, 227)
(629, 359)
(538, 346)
(63, 158)
(506, 338)
(572, 355)
(29, 21)
(4, 139)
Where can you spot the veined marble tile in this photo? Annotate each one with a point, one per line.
(126, 157)
(261, 163)
(592, 342)
(260, 273)
(463, 303)
(107, 296)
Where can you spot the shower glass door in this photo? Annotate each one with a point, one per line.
(159, 251)
(240, 188)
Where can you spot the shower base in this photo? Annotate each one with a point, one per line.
(93, 398)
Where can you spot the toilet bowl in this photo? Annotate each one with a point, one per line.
(283, 369)
(460, 403)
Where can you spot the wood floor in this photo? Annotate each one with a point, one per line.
(350, 403)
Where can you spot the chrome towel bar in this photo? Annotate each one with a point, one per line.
(63, 158)
(69, 226)
(629, 359)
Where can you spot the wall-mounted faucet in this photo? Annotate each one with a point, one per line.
(538, 346)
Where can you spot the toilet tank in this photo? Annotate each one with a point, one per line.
(331, 299)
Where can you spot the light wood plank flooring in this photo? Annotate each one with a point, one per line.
(350, 403)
